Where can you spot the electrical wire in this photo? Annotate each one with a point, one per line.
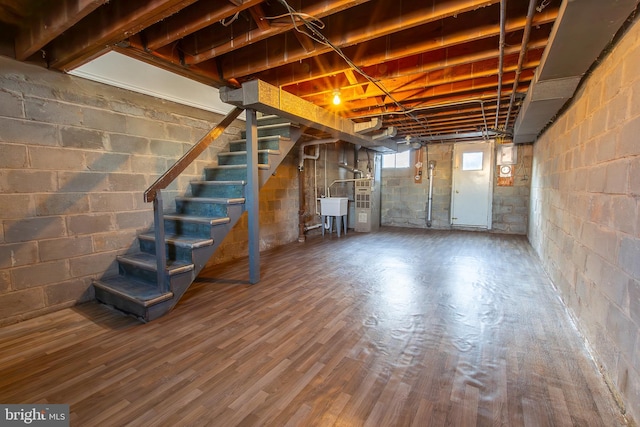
(230, 21)
(320, 38)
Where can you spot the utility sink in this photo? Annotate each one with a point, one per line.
(333, 206)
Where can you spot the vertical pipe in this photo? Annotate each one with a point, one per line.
(252, 200)
(503, 19)
(432, 165)
(161, 250)
(302, 207)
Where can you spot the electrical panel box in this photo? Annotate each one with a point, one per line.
(507, 154)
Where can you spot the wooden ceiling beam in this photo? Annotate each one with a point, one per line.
(408, 42)
(349, 29)
(422, 81)
(208, 76)
(487, 95)
(304, 74)
(192, 19)
(49, 22)
(319, 10)
(449, 88)
(110, 24)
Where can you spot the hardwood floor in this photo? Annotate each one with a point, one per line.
(400, 327)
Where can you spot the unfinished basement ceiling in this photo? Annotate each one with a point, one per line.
(432, 70)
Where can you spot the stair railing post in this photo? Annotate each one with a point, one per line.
(252, 200)
(161, 252)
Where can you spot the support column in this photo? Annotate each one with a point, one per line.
(251, 197)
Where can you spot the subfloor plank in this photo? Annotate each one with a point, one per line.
(398, 327)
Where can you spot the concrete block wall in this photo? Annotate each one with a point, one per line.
(510, 210)
(75, 159)
(404, 203)
(278, 206)
(584, 213)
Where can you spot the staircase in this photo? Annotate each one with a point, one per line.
(197, 227)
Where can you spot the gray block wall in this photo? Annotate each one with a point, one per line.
(510, 206)
(404, 203)
(584, 213)
(75, 159)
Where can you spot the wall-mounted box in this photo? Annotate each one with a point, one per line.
(507, 154)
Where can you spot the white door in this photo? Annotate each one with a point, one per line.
(472, 188)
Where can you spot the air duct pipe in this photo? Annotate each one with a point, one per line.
(431, 167)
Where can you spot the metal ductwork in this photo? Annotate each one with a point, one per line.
(387, 133)
(575, 43)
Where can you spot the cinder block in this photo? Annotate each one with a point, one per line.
(617, 179)
(89, 224)
(27, 181)
(100, 263)
(108, 162)
(16, 206)
(49, 158)
(596, 179)
(64, 248)
(634, 302)
(75, 137)
(18, 254)
(111, 202)
(634, 176)
(593, 267)
(128, 182)
(16, 303)
(5, 281)
(83, 181)
(28, 229)
(166, 148)
(178, 133)
(13, 156)
(628, 256)
(104, 120)
(116, 241)
(143, 127)
(126, 107)
(150, 164)
(61, 203)
(135, 219)
(620, 328)
(39, 274)
(50, 111)
(10, 104)
(628, 142)
(625, 214)
(76, 291)
(129, 144)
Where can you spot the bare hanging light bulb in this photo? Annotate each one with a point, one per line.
(336, 97)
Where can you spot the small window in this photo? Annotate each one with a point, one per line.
(396, 160)
(472, 161)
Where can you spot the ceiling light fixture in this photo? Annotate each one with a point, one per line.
(336, 97)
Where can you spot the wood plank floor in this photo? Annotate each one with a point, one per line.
(396, 328)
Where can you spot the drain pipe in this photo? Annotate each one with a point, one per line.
(523, 53)
(302, 157)
(503, 18)
(432, 166)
